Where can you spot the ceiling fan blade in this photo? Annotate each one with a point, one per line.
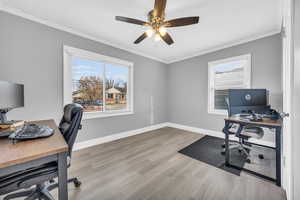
(159, 8)
(130, 20)
(185, 21)
(141, 38)
(167, 38)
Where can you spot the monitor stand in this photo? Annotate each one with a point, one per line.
(3, 118)
(4, 123)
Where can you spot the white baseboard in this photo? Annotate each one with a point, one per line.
(215, 133)
(196, 130)
(117, 136)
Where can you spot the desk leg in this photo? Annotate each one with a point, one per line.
(278, 156)
(62, 176)
(227, 156)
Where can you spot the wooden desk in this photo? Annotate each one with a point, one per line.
(25, 154)
(277, 125)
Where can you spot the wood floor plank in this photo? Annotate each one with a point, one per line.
(149, 167)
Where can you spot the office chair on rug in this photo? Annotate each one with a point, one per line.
(42, 177)
(243, 133)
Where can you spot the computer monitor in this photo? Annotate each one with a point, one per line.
(248, 97)
(244, 100)
(11, 96)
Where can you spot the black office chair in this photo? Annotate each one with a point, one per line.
(232, 129)
(43, 176)
(243, 133)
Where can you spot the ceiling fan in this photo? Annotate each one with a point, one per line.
(157, 24)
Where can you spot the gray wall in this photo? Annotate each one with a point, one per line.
(188, 81)
(31, 53)
(296, 107)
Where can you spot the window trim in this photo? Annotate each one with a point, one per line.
(248, 73)
(68, 53)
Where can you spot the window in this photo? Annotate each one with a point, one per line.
(231, 73)
(101, 84)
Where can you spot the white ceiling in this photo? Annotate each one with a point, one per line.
(222, 22)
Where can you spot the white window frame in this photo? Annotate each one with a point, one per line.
(211, 88)
(68, 53)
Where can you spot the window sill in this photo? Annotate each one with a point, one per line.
(218, 112)
(95, 115)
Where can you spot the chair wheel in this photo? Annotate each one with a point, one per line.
(52, 181)
(77, 183)
(223, 145)
(223, 152)
(261, 156)
(248, 160)
(240, 151)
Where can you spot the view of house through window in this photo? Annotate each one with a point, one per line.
(232, 73)
(99, 86)
(116, 87)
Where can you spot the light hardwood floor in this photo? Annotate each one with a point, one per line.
(148, 167)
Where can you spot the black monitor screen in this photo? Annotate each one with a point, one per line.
(11, 95)
(248, 97)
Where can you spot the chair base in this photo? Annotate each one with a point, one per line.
(76, 182)
(41, 191)
(242, 148)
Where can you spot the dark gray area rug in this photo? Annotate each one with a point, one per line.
(208, 149)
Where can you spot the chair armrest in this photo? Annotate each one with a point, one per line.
(229, 127)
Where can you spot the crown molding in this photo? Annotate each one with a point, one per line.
(48, 23)
(224, 46)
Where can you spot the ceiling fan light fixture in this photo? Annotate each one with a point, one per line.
(149, 32)
(157, 37)
(156, 24)
(162, 30)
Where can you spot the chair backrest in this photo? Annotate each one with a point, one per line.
(71, 123)
(228, 107)
(245, 100)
